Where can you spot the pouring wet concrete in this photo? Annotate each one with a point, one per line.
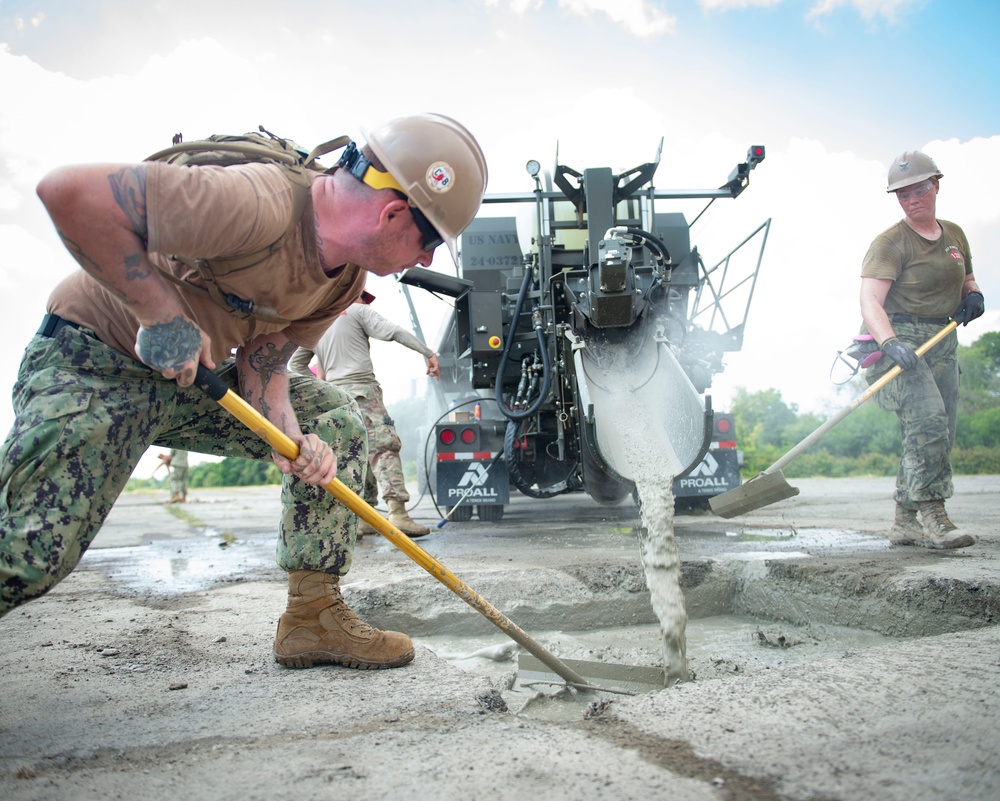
(827, 664)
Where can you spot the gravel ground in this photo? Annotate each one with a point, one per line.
(827, 664)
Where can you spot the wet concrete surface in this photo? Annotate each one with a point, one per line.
(827, 664)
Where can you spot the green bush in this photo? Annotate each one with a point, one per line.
(979, 460)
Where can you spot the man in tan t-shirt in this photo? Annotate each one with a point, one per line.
(110, 372)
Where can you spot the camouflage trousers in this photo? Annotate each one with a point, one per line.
(179, 481)
(925, 400)
(86, 413)
(386, 474)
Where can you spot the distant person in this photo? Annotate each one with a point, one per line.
(916, 276)
(344, 358)
(176, 462)
(110, 371)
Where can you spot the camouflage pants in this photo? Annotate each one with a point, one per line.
(386, 474)
(925, 400)
(179, 481)
(86, 413)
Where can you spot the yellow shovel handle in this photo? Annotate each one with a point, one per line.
(216, 389)
(895, 371)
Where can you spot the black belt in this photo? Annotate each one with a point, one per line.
(52, 324)
(912, 318)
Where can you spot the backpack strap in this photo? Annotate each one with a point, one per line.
(231, 303)
(326, 147)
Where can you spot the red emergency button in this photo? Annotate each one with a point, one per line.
(495, 342)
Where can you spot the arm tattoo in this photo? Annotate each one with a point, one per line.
(266, 361)
(167, 346)
(129, 189)
(76, 251)
(90, 266)
(136, 267)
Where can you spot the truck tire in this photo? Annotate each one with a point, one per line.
(490, 513)
(463, 514)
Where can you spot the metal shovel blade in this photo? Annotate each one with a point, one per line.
(601, 676)
(761, 490)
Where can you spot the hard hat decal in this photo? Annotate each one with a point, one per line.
(440, 176)
(904, 166)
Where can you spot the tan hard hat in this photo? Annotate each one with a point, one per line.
(911, 168)
(439, 166)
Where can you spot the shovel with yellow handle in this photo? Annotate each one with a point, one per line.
(770, 486)
(216, 389)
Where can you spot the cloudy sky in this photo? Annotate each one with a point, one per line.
(833, 88)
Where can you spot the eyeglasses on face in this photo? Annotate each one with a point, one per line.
(917, 190)
(429, 233)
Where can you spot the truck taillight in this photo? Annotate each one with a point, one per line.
(450, 436)
(724, 435)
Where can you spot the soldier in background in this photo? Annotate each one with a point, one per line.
(916, 276)
(344, 358)
(176, 462)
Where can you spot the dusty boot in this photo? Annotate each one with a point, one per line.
(401, 520)
(939, 531)
(176, 499)
(318, 627)
(906, 529)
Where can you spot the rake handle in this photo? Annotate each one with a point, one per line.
(217, 390)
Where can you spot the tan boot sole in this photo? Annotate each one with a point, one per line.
(308, 659)
(963, 541)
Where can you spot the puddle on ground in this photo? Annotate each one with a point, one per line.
(176, 567)
(717, 647)
(814, 539)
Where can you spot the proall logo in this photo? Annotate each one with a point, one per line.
(708, 467)
(476, 474)
(470, 485)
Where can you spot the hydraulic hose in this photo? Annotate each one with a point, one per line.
(523, 414)
(514, 467)
(651, 242)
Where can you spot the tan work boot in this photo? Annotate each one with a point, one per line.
(177, 499)
(399, 517)
(906, 529)
(318, 627)
(939, 532)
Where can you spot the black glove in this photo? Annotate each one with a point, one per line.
(970, 308)
(899, 353)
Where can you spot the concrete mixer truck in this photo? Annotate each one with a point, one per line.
(582, 317)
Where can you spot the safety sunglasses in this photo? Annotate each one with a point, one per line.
(918, 191)
(429, 233)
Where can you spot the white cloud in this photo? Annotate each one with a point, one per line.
(640, 18)
(827, 203)
(729, 5)
(870, 10)
(519, 7)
